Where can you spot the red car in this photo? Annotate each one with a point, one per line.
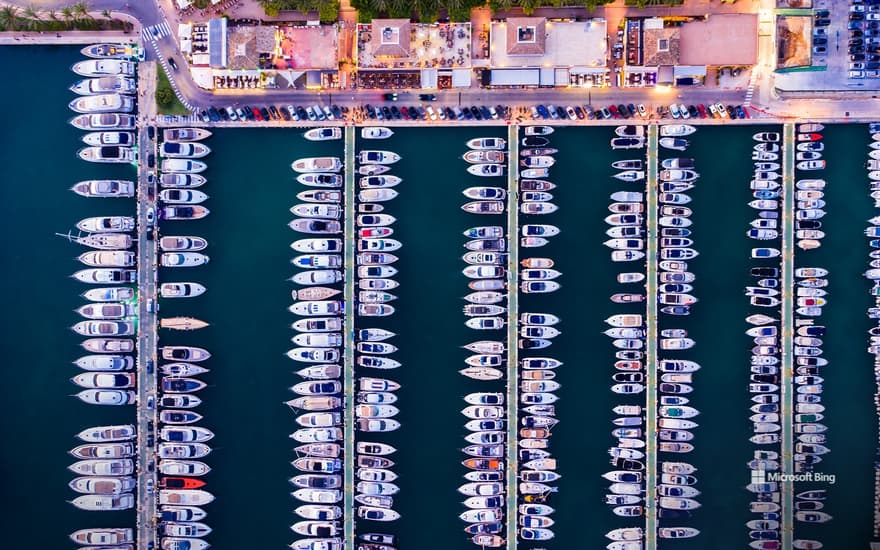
(257, 114)
(614, 112)
(702, 110)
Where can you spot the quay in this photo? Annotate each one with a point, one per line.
(348, 354)
(651, 343)
(512, 336)
(787, 330)
(147, 338)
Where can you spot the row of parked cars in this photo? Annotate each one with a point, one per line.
(864, 39)
(475, 112)
(418, 112)
(271, 112)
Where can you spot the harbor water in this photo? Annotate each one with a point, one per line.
(251, 188)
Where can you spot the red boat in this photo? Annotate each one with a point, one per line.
(483, 464)
(809, 137)
(172, 482)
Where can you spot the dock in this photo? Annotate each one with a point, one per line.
(147, 339)
(651, 343)
(787, 330)
(512, 336)
(348, 353)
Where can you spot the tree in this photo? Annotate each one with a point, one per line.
(67, 15)
(81, 11)
(9, 18)
(32, 20)
(164, 96)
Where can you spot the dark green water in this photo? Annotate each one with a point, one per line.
(251, 189)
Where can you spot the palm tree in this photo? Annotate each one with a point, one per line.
(81, 10)
(67, 15)
(9, 18)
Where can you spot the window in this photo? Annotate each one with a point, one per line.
(663, 45)
(390, 35)
(525, 34)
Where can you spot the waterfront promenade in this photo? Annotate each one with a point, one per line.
(651, 344)
(348, 352)
(512, 335)
(147, 321)
(787, 330)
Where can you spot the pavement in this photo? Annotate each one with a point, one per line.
(770, 102)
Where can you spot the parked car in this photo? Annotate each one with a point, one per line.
(856, 74)
(643, 112)
(673, 110)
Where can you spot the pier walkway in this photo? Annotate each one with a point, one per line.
(348, 354)
(512, 336)
(147, 339)
(787, 330)
(651, 344)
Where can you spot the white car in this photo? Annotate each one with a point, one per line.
(535, 114)
(643, 112)
(292, 110)
(856, 74)
(570, 112)
(232, 114)
(721, 110)
(673, 110)
(431, 112)
(684, 111)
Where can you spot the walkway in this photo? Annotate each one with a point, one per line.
(146, 331)
(512, 336)
(651, 345)
(348, 354)
(787, 370)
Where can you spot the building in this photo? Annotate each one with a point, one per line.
(532, 52)
(248, 56)
(394, 53)
(681, 53)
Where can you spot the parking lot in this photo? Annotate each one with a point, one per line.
(846, 41)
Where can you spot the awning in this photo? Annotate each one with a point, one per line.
(461, 78)
(203, 77)
(689, 71)
(217, 42)
(515, 77)
(428, 78)
(588, 70)
(548, 76)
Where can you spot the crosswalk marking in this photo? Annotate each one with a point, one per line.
(156, 32)
(750, 90)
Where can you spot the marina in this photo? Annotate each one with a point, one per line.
(244, 251)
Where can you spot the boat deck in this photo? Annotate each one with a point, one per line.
(512, 317)
(651, 343)
(787, 329)
(348, 353)
(147, 259)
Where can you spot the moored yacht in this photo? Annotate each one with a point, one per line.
(107, 154)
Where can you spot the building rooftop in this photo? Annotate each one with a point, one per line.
(391, 38)
(556, 44)
(398, 44)
(526, 35)
(311, 47)
(722, 39)
(661, 46)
